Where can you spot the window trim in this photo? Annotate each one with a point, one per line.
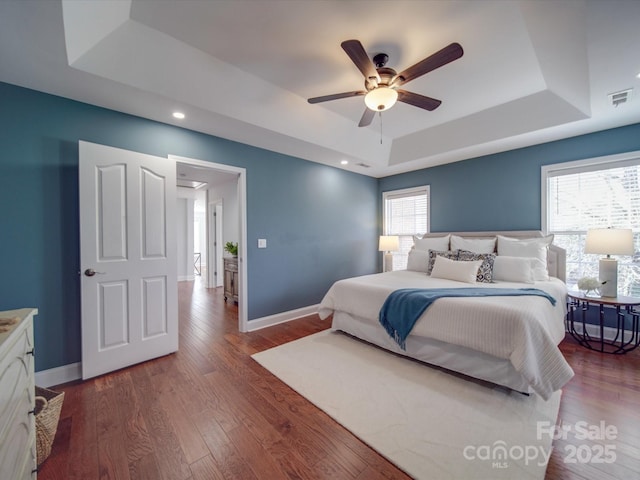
(399, 194)
(594, 164)
(406, 192)
(578, 166)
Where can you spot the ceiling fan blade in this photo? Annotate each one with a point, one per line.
(446, 55)
(367, 117)
(417, 100)
(336, 96)
(357, 54)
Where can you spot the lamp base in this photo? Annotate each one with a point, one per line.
(609, 274)
(388, 262)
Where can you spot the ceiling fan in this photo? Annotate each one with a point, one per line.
(382, 83)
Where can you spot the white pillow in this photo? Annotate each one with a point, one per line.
(513, 269)
(530, 247)
(418, 260)
(540, 270)
(431, 243)
(455, 270)
(475, 245)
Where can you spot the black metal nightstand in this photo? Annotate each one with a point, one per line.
(624, 341)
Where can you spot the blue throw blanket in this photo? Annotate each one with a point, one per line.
(403, 307)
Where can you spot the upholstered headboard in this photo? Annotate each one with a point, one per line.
(556, 260)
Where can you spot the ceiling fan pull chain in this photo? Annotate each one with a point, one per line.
(380, 114)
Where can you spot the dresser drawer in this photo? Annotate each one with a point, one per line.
(16, 446)
(231, 264)
(16, 378)
(17, 398)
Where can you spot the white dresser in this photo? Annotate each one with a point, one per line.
(17, 392)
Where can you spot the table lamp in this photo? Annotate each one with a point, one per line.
(388, 244)
(609, 241)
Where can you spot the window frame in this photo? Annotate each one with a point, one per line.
(579, 166)
(576, 167)
(405, 192)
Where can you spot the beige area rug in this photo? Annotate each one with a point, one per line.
(431, 424)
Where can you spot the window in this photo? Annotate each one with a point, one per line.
(597, 193)
(406, 213)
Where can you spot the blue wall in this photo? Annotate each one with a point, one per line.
(502, 191)
(321, 223)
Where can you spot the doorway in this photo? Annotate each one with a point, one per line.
(225, 219)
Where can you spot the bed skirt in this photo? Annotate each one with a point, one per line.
(450, 357)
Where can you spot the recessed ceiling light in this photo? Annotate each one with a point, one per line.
(638, 75)
(344, 162)
(178, 115)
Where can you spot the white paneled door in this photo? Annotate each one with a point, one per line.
(128, 258)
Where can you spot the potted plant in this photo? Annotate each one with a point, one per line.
(232, 248)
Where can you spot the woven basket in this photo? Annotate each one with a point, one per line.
(47, 410)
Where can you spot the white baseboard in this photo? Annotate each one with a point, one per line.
(186, 278)
(59, 375)
(271, 320)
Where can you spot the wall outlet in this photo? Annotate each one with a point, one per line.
(262, 243)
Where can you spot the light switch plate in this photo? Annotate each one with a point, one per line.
(262, 243)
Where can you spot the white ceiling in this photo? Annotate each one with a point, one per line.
(189, 176)
(532, 71)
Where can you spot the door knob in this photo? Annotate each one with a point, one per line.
(90, 272)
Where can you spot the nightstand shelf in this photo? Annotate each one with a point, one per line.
(621, 340)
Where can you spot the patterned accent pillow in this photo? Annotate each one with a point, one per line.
(450, 254)
(485, 272)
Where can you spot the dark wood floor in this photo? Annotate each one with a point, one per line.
(209, 411)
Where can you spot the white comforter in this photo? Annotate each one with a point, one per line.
(524, 330)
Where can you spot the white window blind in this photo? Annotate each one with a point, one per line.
(598, 193)
(406, 213)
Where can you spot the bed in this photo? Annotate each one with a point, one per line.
(505, 340)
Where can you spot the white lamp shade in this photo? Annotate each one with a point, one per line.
(381, 99)
(388, 243)
(609, 241)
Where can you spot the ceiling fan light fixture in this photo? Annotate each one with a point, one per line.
(380, 82)
(381, 99)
